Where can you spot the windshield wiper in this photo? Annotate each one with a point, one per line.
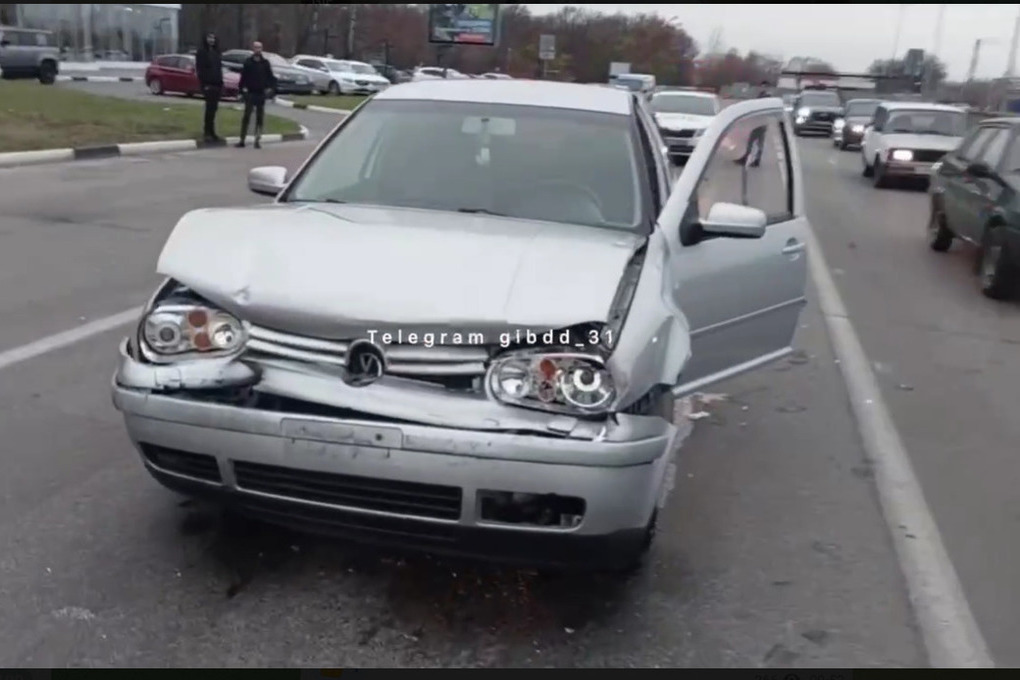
(481, 211)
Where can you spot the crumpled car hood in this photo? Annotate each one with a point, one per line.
(333, 271)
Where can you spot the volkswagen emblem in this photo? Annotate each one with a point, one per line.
(365, 363)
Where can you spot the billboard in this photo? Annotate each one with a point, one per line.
(463, 24)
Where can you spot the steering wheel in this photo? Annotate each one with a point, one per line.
(571, 186)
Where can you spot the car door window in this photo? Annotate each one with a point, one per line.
(971, 149)
(750, 166)
(994, 148)
(1011, 159)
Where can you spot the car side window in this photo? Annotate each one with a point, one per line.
(1011, 159)
(750, 166)
(995, 148)
(970, 151)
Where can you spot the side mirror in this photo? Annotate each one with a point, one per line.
(734, 221)
(979, 169)
(268, 180)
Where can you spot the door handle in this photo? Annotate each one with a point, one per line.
(793, 246)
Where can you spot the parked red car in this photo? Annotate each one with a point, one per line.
(176, 73)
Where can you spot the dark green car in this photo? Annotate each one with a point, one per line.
(975, 197)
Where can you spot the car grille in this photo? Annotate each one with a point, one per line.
(194, 465)
(928, 155)
(361, 83)
(822, 115)
(365, 493)
(406, 360)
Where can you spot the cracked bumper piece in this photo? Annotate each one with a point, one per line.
(576, 499)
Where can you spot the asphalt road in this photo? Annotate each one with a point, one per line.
(318, 124)
(948, 361)
(772, 551)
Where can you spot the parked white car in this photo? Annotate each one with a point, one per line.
(905, 139)
(436, 73)
(318, 72)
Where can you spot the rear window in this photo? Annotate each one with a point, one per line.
(861, 108)
(535, 163)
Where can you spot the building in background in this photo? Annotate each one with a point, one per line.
(87, 32)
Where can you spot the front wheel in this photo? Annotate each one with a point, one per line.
(878, 176)
(156, 86)
(334, 89)
(867, 170)
(939, 236)
(47, 73)
(995, 268)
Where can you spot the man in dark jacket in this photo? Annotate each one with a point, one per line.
(209, 69)
(257, 82)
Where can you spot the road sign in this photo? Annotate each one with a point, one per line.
(913, 65)
(547, 47)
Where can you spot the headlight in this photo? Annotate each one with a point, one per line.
(570, 383)
(699, 132)
(857, 128)
(902, 155)
(803, 112)
(838, 124)
(172, 332)
(936, 166)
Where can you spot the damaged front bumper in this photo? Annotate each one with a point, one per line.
(399, 462)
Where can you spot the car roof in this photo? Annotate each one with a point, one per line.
(862, 100)
(543, 93)
(920, 106)
(686, 93)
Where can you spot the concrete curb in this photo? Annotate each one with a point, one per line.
(286, 103)
(100, 79)
(21, 158)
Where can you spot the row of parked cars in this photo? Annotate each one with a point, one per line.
(302, 74)
(972, 171)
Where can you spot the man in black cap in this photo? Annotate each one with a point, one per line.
(209, 69)
(257, 82)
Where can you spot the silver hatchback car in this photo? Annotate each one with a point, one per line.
(462, 323)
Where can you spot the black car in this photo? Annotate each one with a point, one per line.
(289, 80)
(975, 197)
(816, 111)
(848, 131)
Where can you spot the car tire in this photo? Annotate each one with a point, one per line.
(155, 86)
(47, 73)
(940, 238)
(997, 276)
(878, 176)
(842, 146)
(867, 170)
(334, 89)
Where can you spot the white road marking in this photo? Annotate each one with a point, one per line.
(69, 337)
(951, 635)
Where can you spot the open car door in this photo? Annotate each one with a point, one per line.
(737, 231)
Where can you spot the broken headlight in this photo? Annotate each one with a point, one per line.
(577, 384)
(177, 331)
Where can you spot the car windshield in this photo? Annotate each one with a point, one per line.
(861, 109)
(819, 99)
(926, 122)
(534, 163)
(683, 103)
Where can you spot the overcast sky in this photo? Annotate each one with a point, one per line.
(848, 36)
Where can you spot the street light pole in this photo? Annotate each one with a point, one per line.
(899, 29)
